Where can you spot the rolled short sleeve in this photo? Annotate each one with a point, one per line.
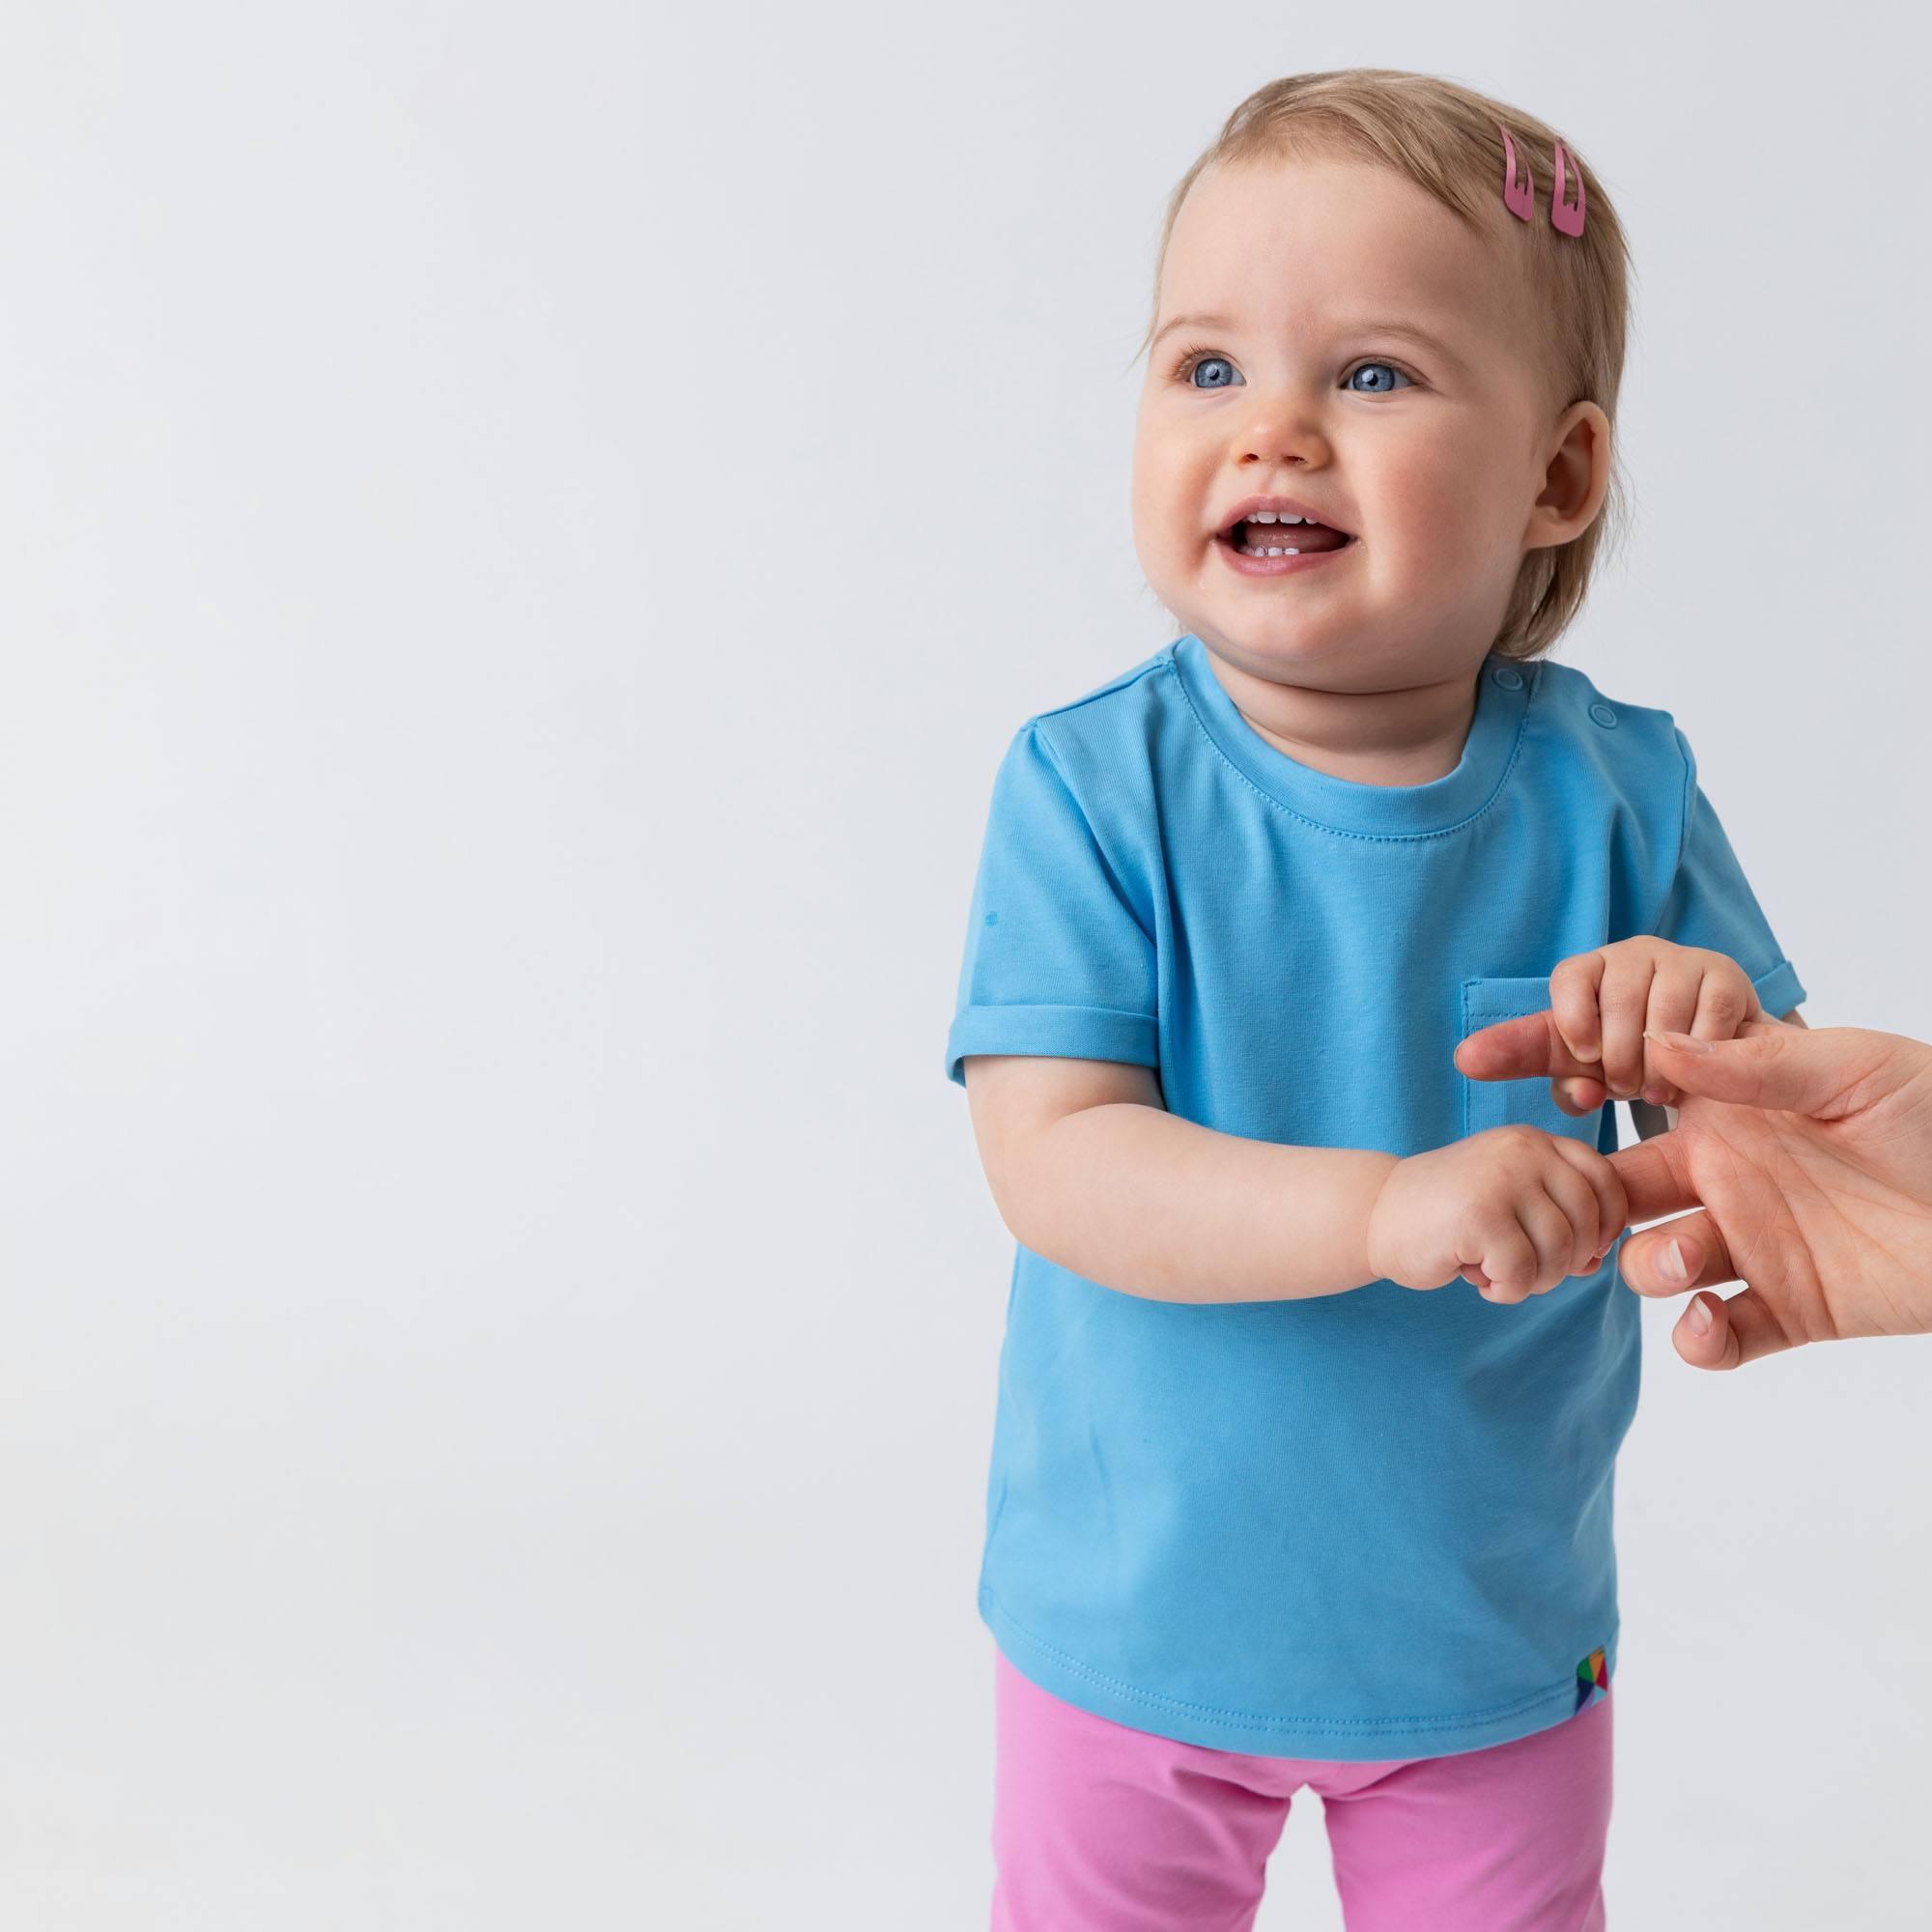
(1057, 961)
(1710, 903)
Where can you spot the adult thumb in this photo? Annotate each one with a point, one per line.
(1767, 1064)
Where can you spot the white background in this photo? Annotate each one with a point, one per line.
(525, 534)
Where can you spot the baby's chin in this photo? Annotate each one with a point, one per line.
(1347, 666)
(1282, 649)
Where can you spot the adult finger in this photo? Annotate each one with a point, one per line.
(1717, 1333)
(1771, 1065)
(1520, 1049)
(1681, 1255)
(1656, 1178)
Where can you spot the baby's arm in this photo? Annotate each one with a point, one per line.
(1089, 1170)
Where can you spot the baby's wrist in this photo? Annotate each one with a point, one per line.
(1373, 1243)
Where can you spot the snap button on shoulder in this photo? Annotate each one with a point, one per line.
(1509, 678)
(1605, 716)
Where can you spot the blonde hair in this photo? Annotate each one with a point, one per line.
(1447, 139)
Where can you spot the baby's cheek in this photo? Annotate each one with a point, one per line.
(1454, 534)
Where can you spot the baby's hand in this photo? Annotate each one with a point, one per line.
(1512, 1210)
(1603, 1004)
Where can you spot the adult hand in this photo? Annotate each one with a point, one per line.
(1810, 1152)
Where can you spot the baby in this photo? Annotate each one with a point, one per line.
(1316, 1361)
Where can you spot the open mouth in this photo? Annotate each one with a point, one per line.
(1256, 539)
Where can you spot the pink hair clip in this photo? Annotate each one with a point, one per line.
(1520, 197)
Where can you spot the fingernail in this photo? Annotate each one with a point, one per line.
(1681, 1042)
(1698, 1315)
(1670, 1264)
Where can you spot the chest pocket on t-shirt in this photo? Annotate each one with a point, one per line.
(1528, 1102)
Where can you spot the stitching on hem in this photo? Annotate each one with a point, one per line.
(1520, 1707)
(1047, 1007)
(1469, 1085)
(1336, 830)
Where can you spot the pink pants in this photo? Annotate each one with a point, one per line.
(1099, 1828)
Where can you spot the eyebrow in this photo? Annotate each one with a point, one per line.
(1408, 330)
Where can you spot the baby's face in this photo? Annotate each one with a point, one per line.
(1432, 457)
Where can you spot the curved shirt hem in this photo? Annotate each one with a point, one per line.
(1329, 1740)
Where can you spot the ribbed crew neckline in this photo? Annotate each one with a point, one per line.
(1503, 692)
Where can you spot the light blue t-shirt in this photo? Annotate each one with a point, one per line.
(1373, 1524)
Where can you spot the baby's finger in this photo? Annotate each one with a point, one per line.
(1725, 1001)
(1621, 1000)
(1552, 1237)
(1573, 1004)
(1577, 1096)
(1606, 1184)
(1577, 1201)
(1508, 1260)
(1672, 991)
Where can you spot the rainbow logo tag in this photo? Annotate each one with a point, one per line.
(1593, 1678)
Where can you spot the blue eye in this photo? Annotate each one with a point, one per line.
(1381, 389)
(1194, 361)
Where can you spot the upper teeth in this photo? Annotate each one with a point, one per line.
(1272, 517)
